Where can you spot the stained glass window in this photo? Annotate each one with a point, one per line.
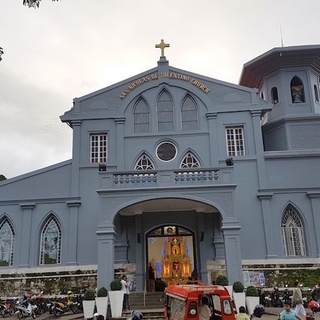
(6, 243)
(292, 233)
(50, 242)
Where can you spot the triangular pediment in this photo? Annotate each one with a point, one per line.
(215, 93)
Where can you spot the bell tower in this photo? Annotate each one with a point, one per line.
(288, 78)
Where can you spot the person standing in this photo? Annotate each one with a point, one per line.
(125, 288)
(298, 302)
(205, 312)
(287, 313)
(315, 294)
(151, 279)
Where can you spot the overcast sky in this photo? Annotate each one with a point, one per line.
(70, 48)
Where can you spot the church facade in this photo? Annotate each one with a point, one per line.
(181, 172)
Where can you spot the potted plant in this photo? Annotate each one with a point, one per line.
(116, 298)
(238, 294)
(115, 285)
(102, 301)
(88, 304)
(222, 280)
(252, 299)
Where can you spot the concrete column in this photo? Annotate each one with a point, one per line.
(258, 141)
(120, 143)
(139, 254)
(73, 232)
(26, 234)
(265, 199)
(213, 138)
(76, 147)
(315, 205)
(106, 241)
(231, 234)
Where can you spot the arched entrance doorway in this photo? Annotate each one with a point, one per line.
(170, 256)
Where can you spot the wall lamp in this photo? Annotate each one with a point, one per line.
(102, 167)
(229, 162)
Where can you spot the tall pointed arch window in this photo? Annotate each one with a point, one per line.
(144, 163)
(292, 233)
(141, 116)
(297, 90)
(190, 161)
(274, 95)
(165, 112)
(50, 242)
(189, 114)
(6, 243)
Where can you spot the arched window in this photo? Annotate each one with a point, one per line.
(292, 233)
(165, 112)
(189, 114)
(316, 93)
(190, 161)
(50, 242)
(274, 95)
(297, 90)
(6, 243)
(141, 116)
(144, 163)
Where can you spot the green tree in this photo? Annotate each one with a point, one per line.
(33, 3)
(2, 177)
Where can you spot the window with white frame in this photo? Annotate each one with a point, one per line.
(189, 161)
(144, 163)
(98, 148)
(292, 233)
(50, 242)
(6, 243)
(235, 141)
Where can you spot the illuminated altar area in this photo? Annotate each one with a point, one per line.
(171, 258)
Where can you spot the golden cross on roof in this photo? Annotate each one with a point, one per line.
(162, 45)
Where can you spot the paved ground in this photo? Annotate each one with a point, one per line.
(270, 314)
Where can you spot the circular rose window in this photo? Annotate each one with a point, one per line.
(166, 151)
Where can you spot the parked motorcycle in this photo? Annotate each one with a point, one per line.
(265, 299)
(25, 309)
(60, 307)
(314, 306)
(6, 309)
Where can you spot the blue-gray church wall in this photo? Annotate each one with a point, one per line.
(96, 210)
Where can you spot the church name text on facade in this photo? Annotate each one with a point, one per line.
(155, 76)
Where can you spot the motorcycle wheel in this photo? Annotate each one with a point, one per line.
(75, 309)
(20, 315)
(57, 312)
(33, 315)
(3, 313)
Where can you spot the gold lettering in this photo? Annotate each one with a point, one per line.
(132, 86)
(154, 76)
(200, 85)
(164, 75)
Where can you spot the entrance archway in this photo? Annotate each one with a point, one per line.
(170, 256)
